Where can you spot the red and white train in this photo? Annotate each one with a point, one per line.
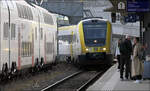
(28, 36)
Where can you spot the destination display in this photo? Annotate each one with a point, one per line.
(138, 5)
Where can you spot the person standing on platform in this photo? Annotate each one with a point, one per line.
(137, 63)
(126, 51)
(117, 54)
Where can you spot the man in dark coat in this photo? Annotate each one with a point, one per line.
(126, 51)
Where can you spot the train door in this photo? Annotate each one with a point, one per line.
(41, 37)
(38, 39)
(5, 21)
(35, 44)
(41, 58)
(13, 40)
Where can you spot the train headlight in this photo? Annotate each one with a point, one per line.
(104, 49)
(87, 49)
(95, 41)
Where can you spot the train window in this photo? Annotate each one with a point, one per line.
(13, 32)
(24, 12)
(49, 48)
(26, 49)
(30, 14)
(65, 38)
(27, 13)
(41, 33)
(48, 19)
(6, 30)
(19, 11)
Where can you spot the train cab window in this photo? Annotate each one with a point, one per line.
(6, 30)
(13, 32)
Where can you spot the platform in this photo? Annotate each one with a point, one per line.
(110, 81)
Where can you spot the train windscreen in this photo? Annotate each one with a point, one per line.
(95, 32)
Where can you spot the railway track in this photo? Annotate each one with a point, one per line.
(78, 81)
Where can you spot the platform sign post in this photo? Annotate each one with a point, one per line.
(138, 5)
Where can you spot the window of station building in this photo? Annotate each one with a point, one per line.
(6, 30)
(24, 12)
(48, 19)
(13, 31)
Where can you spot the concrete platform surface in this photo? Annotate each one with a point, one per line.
(110, 81)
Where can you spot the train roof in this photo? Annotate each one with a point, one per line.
(67, 28)
(94, 18)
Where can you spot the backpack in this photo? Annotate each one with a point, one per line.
(123, 49)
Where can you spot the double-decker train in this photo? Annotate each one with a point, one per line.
(89, 40)
(28, 37)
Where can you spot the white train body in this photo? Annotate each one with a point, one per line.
(64, 42)
(27, 35)
(69, 43)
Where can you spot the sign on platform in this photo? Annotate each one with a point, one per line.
(138, 5)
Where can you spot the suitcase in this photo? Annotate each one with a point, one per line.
(146, 73)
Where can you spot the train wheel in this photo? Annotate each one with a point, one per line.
(42, 64)
(4, 76)
(36, 67)
(13, 69)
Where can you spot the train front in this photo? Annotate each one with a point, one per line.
(95, 38)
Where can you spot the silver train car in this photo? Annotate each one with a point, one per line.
(28, 36)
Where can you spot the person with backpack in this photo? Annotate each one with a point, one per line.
(125, 54)
(137, 62)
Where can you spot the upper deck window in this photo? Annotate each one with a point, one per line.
(24, 12)
(48, 19)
